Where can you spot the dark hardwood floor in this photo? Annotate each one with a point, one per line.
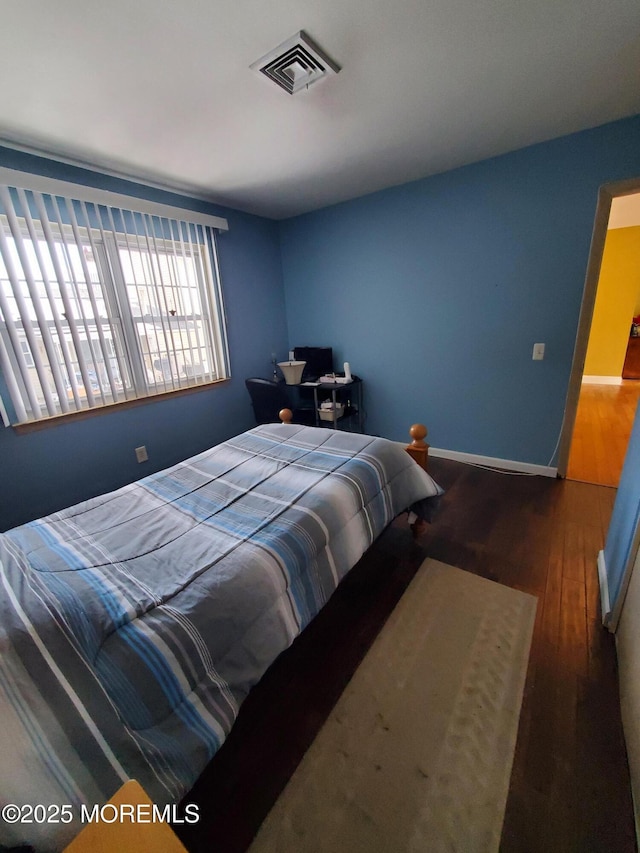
(570, 783)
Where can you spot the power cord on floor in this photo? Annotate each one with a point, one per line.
(555, 449)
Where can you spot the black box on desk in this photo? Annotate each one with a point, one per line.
(319, 361)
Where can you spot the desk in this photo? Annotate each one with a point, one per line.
(348, 394)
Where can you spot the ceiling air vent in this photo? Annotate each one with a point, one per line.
(296, 64)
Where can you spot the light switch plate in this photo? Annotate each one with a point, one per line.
(538, 352)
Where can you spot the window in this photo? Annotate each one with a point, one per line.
(100, 302)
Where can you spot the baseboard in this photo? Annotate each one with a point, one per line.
(605, 602)
(492, 462)
(602, 380)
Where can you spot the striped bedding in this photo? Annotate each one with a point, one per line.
(133, 625)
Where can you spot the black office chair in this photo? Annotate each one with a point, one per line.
(269, 397)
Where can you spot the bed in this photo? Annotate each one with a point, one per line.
(133, 625)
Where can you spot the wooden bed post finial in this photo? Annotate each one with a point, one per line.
(419, 449)
(286, 416)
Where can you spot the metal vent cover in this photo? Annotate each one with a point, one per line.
(296, 64)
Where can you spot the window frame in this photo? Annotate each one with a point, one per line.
(121, 322)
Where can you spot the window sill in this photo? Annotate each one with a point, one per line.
(58, 420)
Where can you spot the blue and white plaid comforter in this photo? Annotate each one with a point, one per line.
(133, 625)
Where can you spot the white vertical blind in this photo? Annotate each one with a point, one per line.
(100, 303)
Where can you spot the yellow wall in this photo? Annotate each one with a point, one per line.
(617, 301)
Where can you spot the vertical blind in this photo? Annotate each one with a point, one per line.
(101, 303)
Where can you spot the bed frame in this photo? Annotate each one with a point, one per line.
(418, 449)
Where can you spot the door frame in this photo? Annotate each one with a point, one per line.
(612, 619)
(606, 194)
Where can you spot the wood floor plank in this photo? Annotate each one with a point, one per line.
(573, 641)
(606, 500)
(551, 603)
(573, 562)
(593, 543)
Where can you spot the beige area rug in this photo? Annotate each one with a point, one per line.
(417, 753)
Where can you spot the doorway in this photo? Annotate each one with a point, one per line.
(599, 412)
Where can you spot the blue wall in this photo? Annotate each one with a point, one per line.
(57, 466)
(436, 291)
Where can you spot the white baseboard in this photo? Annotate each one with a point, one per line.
(602, 380)
(493, 462)
(605, 603)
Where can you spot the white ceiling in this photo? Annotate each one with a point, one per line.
(163, 90)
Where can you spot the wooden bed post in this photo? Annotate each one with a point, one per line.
(286, 416)
(418, 448)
